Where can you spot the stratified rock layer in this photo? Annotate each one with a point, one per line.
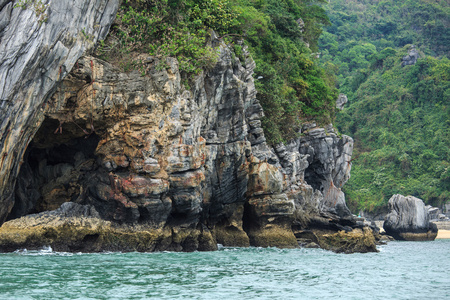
(37, 50)
(154, 165)
(408, 220)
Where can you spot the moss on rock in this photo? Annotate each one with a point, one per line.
(273, 236)
(357, 240)
(90, 234)
(231, 236)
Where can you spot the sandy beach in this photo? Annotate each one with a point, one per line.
(443, 234)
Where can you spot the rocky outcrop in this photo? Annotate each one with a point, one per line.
(150, 164)
(411, 58)
(78, 228)
(341, 101)
(360, 240)
(409, 220)
(38, 48)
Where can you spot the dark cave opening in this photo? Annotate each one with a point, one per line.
(54, 167)
(314, 177)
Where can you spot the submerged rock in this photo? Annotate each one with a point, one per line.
(408, 220)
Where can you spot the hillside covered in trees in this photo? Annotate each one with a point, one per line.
(398, 115)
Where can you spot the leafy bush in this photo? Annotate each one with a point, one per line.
(292, 87)
(168, 28)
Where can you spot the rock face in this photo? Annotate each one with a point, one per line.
(341, 101)
(78, 228)
(411, 58)
(409, 220)
(38, 49)
(142, 162)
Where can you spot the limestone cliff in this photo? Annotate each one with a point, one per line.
(150, 164)
(37, 49)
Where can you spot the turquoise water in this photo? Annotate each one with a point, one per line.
(401, 270)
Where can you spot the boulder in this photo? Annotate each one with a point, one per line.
(408, 220)
(341, 101)
(411, 58)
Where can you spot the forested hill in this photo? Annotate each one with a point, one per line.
(398, 115)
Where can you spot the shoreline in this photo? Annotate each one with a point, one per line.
(443, 234)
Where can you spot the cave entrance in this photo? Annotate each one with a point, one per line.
(57, 162)
(314, 175)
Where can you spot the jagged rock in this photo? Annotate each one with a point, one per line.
(411, 58)
(264, 179)
(409, 220)
(37, 50)
(329, 165)
(167, 168)
(341, 101)
(269, 221)
(434, 213)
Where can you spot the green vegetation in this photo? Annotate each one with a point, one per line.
(166, 28)
(291, 86)
(39, 8)
(399, 116)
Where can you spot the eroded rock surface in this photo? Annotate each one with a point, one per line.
(341, 101)
(78, 228)
(37, 50)
(411, 58)
(408, 220)
(165, 167)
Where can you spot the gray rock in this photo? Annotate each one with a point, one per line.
(341, 101)
(408, 219)
(329, 166)
(35, 54)
(143, 151)
(411, 58)
(433, 212)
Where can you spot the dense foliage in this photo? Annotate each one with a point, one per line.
(280, 35)
(399, 116)
(166, 28)
(292, 87)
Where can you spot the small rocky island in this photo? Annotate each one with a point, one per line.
(408, 220)
(94, 159)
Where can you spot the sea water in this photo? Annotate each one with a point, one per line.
(401, 270)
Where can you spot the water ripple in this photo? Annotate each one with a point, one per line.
(401, 270)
